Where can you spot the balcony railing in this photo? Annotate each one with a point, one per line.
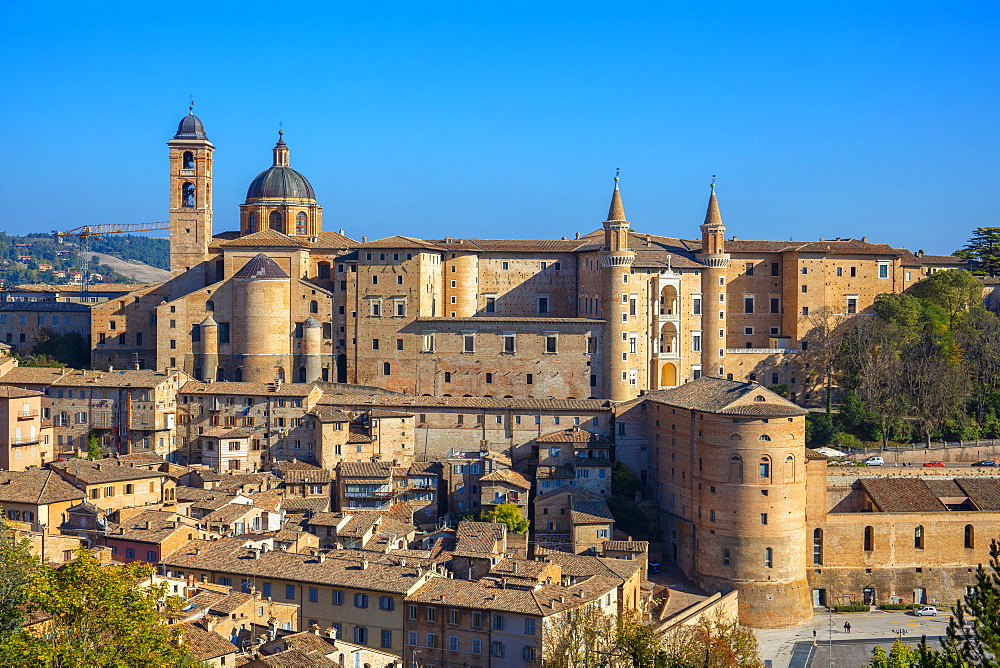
(26, 416)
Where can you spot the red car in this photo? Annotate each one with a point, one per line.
(934, 464)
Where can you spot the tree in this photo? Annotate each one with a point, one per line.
(16, 565)
(93, 445)
(97, 616)
(956, 291)
(824, 333)
(983, 250)
(979, 340)
(509, 514)
(973, 637)
(715, 642)
(898, 656)
(637, 643)
(581, 638)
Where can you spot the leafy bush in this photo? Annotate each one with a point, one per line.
(851, 608)
(897, 606)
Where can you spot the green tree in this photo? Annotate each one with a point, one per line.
(98, 616)
(69, 348)
(973, 637)
(509, 514)
(983, 250)
(637, 643)
(16, 566)
(956, 291)
(93, 445)
(898, 656)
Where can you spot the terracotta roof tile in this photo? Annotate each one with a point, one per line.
(265, 238)
(507, 476)
(901, 495)
(103, 470)
(983, 492)
(729, 397)
(205, 645)
(356, 401)
(36, 487)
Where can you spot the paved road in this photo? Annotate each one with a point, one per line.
(867, 630)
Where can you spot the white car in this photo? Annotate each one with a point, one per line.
(875, 461)
(926, 611)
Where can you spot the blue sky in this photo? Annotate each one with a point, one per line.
(508, 119)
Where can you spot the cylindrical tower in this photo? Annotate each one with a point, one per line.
(261, 336)
(749, 484)
(207, 350)
(713, 286)
(619, 311)
(311, 339)
(461, 288)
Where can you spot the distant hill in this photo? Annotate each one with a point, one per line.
(39, 258)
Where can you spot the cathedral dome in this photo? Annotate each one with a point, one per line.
(191, 127)
(280, 181)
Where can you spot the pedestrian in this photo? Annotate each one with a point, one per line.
(847, 627)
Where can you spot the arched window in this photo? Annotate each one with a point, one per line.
(759, 397)
(869, 539)
(970, 536)
(818, 547)
(725, 558)
(187, 194)
(209, 305)
(764, 467)
(238, 374)
(735, 469)
(918, 537)
(789, 468)
(300, 222)
(302, 374)
(280, 374)
(323, 269)
(764, 437)
(252, 222)
(187, 161)
(274, 221)
(314, 307)
(768, 557)
(220, 373)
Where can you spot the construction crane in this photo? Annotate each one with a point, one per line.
(85, 232)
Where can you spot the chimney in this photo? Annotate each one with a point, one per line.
(577, 235)
(364, 240)
(321, 557)
(314, 629)
(864, 240)
(515, 568)
(364, 564)
(562, 599)
(331, 633)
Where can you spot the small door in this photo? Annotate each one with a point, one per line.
(869, 596)
(819, 598)
(920, 595)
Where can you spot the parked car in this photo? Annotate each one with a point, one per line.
(654, 567)
(926, 611)
(985, 462)
(875, 461)
(933, 463)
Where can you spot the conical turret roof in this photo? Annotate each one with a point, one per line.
(617, 210)
(713, 216)
(260, 267)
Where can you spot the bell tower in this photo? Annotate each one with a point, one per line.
(190, 154)
(615, 259)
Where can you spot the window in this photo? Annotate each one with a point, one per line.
(130, 554)
(775, 269)
(852, 305)
(970, 536)
(883, 270)
(468, 343)
(274, 221)
(430, 640)
(748, 304)
(528, 653)
(763, 518)
(375, 308)
(491, 305)
(696, 305)
(768, 557)
(775, 305)
(300, 222)
(386, 603)
(725, 557)
(509, 343)
(187, 194)
(290, 592)
(411, 638)
(818, 547)
(869, 539)
(454, 617)
(313, 594)
(427, 343)
(399, 344)
(918, 537)
(543, 304)
(840, 271)
(477, 645)
(361, 600)
(854, 272)
(412, 614)
(386, 369)
(187, 162)
(386, 638)
(477, 620)
(489, 380)
(361, 635)
(338, 597)
(765, 467)
(550, 343)
(431, 614)
(498, 648)
(529, 626)
(498, 622)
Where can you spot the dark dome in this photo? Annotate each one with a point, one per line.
(191, 127)
(280, 182)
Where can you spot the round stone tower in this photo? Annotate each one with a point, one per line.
(713, 286)
(311, 349)
(615, 260)
(261, 337)
(207, 351)
(750, 484)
